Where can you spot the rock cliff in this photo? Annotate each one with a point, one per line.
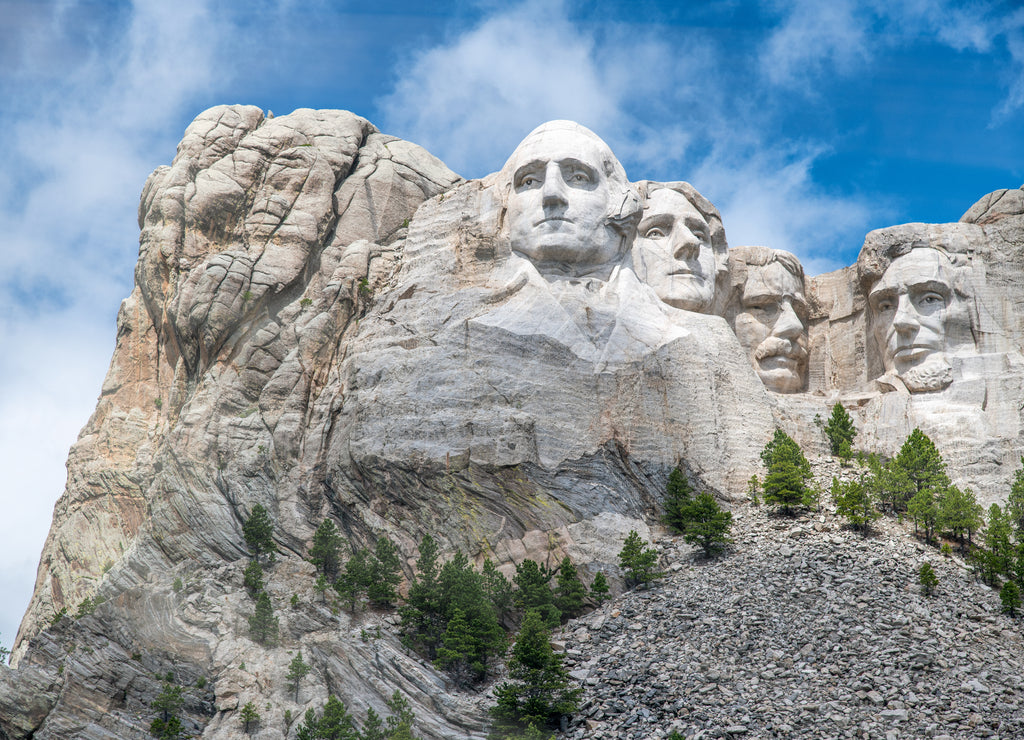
(328, 322)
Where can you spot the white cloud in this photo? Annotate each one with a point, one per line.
(815, 38)
(90, 99)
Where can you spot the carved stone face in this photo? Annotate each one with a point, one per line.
(673, 252)
(912, 307)
(771, 325)
(559, 202)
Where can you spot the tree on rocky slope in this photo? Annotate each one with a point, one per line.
(927, 578)
(678, 497)
(785, 482)
(638, 563)
(539, 690)
(167, 703)
(921, 464)
(570, 593)
(249, 717)
(840, 432)
(854, 502)
(1015, 503)
(297, 670)
(960, 513)
(599, 588)
(258, 531)
(325, 552)
(385, 573)
(263, 625)
(1009, 596)
(533, 590)
(707, 525)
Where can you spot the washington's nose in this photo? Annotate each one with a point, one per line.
(788, 325)
(905, 318)
(685, 246)
(553, 190)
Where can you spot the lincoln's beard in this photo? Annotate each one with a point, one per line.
(934, 374)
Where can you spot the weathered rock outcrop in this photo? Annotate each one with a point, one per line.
(330, 323)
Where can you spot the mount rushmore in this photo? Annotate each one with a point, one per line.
(329, 322)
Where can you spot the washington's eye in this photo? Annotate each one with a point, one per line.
(529, 181)
(579, 178)
(655, 232)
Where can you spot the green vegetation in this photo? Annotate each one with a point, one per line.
(599, 588)
(570, 594)
(335, 722)
(263, 625)
(249, 717)
(325, 553)
(384, 574)
(785, 483)
(638, 563)
(854, 502)
(258, 531)
(927, 578)
(168, 702)
(534, 592)
(252, 578)
(840, 432)
(1009, 596)
(297, 670)
(538, 691)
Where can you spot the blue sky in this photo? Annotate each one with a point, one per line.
(807, 124)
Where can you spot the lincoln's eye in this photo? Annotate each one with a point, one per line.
(885, 305)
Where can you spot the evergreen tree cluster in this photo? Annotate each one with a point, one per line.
(258, 531)
(699, 519)
(455, 615)
(334, 722)
(368, 575)
(788, 473)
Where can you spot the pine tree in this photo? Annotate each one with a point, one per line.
(925, 510)
(400, 721)
(919, 462)
(678, 498)
(249, 716)
(335, 723)
(263, 624)
(927, 578)
(463, 588)
(534, 592)
(354, 583)
(4, 652)
(754, 490)
(570, 594)
(384, 573)
(538, 690)
(1015, 503)
(638, 562)
(707, 525)
(297, 670)
(960, 513)
(167, 726)
(840, 431)
(599, 588)
(499, 590)
(458, 649)
(785, 483)
(258, 531)
(423, 615)
(1009, 595)
(373, 727)
(998, 535)
(853, 501)
(325, 552)
(252, 579)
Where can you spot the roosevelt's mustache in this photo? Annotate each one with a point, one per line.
(779, 346)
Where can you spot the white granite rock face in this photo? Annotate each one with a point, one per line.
(329, 322)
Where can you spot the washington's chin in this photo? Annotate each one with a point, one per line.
(566, 246)
(781, 374)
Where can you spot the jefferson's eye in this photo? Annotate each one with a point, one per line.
(655, 232)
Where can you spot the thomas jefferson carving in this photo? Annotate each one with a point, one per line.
(680, 248)
(768, 311)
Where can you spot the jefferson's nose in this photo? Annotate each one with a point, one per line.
(685, 246)
(553, 192)
(788, 324)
